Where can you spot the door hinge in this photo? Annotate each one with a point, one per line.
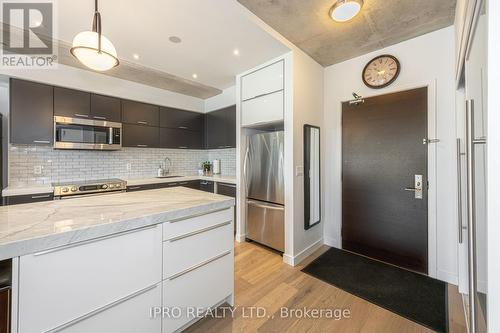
(427, 141)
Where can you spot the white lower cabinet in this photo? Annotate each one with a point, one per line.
(60, 285)
(129, 315)
(115, 283)
(204, 286)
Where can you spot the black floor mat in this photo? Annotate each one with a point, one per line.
(411, 295)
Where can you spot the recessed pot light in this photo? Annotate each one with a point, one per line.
(136, 56)
(345, 10)
(195, 76)
(175, 39)
(236, 52)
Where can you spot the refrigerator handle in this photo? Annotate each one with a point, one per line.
(265, 205)
(245, 162)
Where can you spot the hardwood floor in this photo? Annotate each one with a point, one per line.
(263, 281)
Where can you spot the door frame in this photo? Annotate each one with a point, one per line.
(431, 167)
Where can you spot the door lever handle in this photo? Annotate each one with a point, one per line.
(410, 189)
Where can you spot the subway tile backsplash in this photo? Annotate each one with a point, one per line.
(30, 164)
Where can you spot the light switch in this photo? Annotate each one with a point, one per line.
(299, 171)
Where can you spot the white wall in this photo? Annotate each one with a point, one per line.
(304, 106)
(227, 98)
(308, 88)
(80, 79)
(425, 60)
(493, 147)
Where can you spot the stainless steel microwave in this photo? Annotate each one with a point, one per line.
(77, 133)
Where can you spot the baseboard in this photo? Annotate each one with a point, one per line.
(331, 242)
(240, 238)
(447, 277)
(295, 260)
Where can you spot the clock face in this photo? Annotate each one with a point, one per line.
(381, 71)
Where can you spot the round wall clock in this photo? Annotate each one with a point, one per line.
(381, 71)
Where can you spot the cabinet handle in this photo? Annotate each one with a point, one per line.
(142, 146)
(135, 188)
(183, 127)
(85, 242)
(262, 95)
(184, 183)
(221, 147)
(81, 115)
(102, 309)
(40, 196)
(99, 117)
(226, 185)
(197, 215)
(201, 264)
(41, 141)
(182, 147)
(142, 122)
(200, 231)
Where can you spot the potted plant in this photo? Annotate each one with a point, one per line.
(206, 166)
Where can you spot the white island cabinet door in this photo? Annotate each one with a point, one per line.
(196, 289)
(61, 285)
(131, 315)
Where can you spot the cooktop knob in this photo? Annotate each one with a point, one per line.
(111, 185)
(65, 190)
(105, 186)
(74, 189)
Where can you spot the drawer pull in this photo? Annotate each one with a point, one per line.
(183, 127)
(201, 264)
(81, 115)
(40, 196)
(182, 147)
(226, 185)
(197, 215)
(262, 95)
(99, 117)
(200, 231)
(41, 141)
(104, 308)
(142, 122)
(135, 188)
(89, 241)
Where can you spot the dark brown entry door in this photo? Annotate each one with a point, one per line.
(382, 152)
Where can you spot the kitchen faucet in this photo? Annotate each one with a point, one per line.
(166, 166)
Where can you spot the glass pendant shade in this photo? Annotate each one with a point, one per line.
(86, 50)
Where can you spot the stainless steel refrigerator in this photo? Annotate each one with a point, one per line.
(264, 176)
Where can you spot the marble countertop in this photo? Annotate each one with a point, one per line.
(39, 189)
(29, 228)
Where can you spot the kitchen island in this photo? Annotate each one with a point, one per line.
(123, 262)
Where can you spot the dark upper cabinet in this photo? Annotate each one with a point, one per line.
(140, 113)
(220, 128)
(71, 103)
(230, 121)
(105, 108)
(175, 118)
(140, 136)
(31, 112)
(180, 139)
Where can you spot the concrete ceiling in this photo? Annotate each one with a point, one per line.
(210, 30)
(381, 23)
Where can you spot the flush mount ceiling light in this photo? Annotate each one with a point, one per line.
(345, 10)
(93, 49)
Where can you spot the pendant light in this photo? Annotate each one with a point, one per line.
(93, 49)
(345, 10)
